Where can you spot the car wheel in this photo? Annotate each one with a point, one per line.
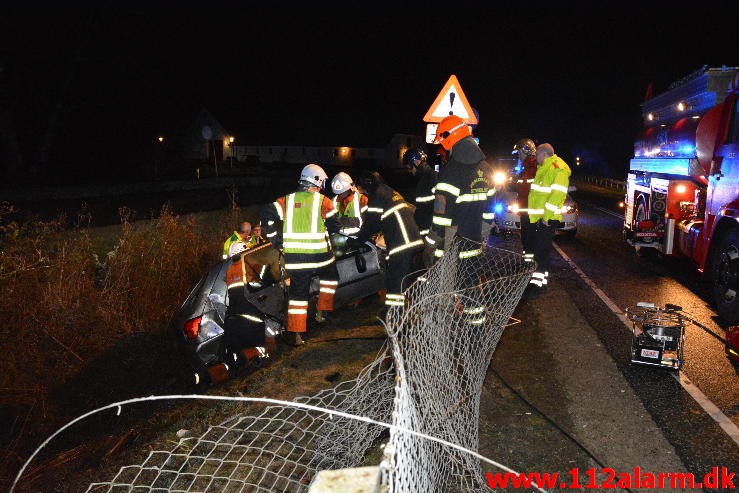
(725, 277)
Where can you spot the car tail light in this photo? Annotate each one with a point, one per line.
(191, 328)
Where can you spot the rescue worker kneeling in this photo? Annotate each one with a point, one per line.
(245, 328)
(297, 224)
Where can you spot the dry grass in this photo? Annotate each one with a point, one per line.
(68, 297)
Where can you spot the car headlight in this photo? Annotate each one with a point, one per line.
(500, 177)
(513, 207)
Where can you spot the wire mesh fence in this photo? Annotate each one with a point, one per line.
(426, 381)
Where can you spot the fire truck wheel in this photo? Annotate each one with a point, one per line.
(725, 277)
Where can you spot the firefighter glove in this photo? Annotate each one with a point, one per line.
(353, 243)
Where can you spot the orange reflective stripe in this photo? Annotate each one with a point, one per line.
(297, 316)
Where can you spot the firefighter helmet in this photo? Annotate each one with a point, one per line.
(732, 343)
(313, 176)
(236, 248)
(341, 183)
(414, 157)
(369, 180)
(526, 146)
(451, 130)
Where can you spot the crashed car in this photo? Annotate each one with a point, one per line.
(220, 330)
(506, 205)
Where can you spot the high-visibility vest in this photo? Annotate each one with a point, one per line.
(303, 229)
(231, 239)
(549, 190)
(351, 208)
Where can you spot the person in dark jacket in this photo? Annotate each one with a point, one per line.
(389, 213)
(461, 205)
(463, 189)
(525, 151)
(416, 163)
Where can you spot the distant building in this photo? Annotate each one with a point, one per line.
(205, 140)
(390, 157)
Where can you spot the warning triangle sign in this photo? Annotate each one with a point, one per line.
(451, 101)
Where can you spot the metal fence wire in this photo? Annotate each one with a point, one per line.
(427, 380)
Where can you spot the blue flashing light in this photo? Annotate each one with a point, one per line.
(518, 168)
(498, 208)
(687, 149)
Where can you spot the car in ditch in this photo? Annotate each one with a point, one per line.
(208, 315)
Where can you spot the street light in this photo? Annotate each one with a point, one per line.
(160, 156)
(231, 143)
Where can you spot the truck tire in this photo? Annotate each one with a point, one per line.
(725, 277)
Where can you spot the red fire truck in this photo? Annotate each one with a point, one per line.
(682, 195)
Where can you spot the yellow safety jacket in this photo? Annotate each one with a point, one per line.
(549, 190)
(231, 239)
(303, 227)
(352, 206)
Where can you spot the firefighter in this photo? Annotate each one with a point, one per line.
(349, 202)
(389, 213)
(462, 190)
(547, 195)
(244, 324)
(416, 163)
(297, 224)
(242, 234)
(525, 151)
(461, 204)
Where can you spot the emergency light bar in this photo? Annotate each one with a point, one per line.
(667, 165)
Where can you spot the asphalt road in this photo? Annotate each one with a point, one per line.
(569, 363)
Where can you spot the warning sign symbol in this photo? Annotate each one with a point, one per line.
(451, 101)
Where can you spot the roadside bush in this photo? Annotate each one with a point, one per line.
(63, 304)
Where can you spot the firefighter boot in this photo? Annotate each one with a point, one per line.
(293, 338)
(322, 317)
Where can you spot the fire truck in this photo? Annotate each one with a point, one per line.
(682, 193)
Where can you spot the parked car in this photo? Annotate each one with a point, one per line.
(506, 205)
(200, 324)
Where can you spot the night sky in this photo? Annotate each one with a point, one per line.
(573, 75)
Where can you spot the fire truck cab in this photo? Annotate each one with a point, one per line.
(682, 194)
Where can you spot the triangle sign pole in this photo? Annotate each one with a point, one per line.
(451, 101)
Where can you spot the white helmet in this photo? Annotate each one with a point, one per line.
(341, 183)
(313, 175)
(236, 248)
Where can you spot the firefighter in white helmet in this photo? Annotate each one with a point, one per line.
(350, 203)
(297, 224)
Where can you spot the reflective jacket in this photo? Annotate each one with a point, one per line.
(466, 189)
(231, 239)
(387, 211)
(352, 206)
(424, 199)
(299, 223)
(549, 190)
